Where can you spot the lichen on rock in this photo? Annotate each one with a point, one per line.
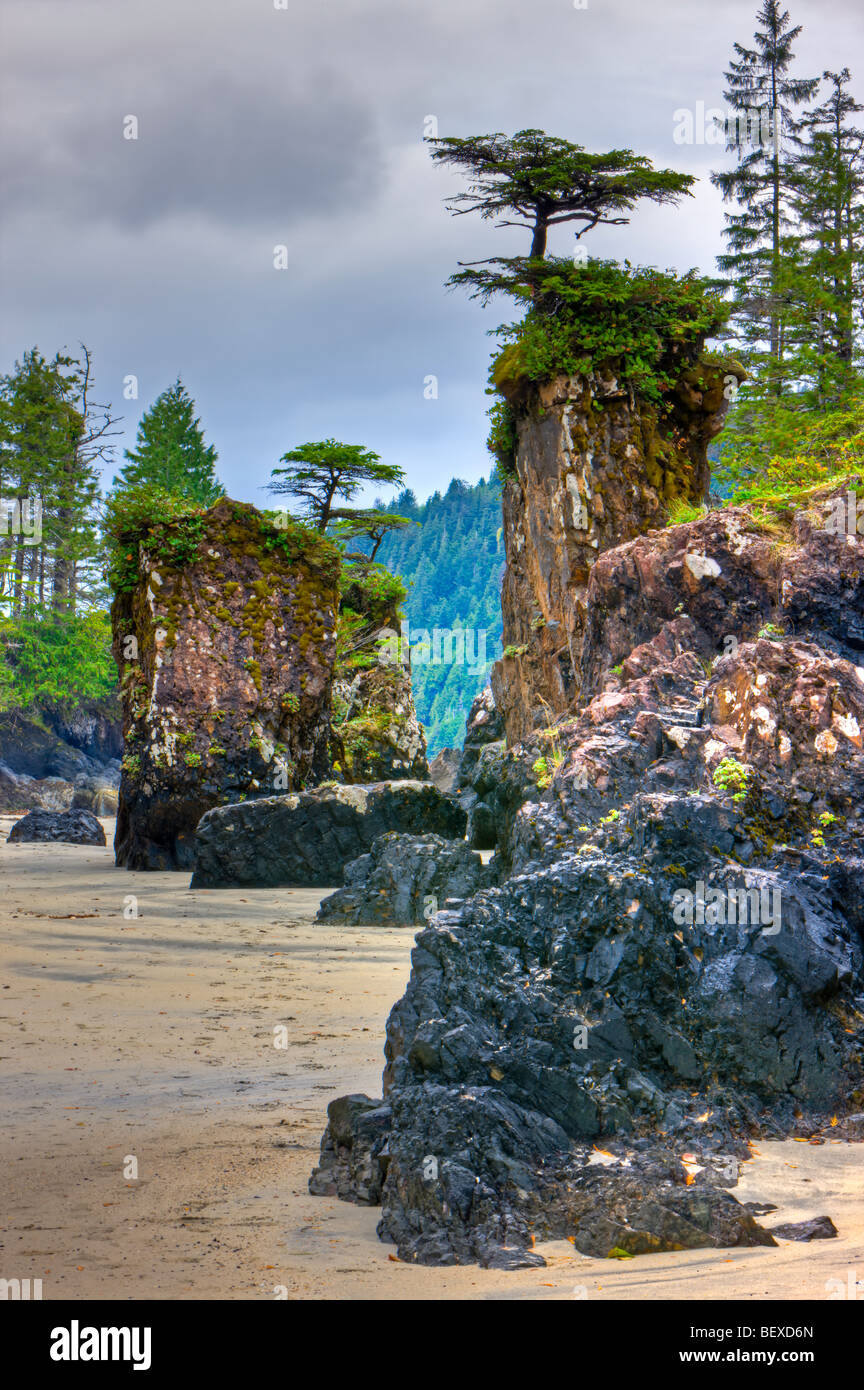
(224, 634)
(594, 465)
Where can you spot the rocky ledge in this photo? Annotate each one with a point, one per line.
(308, 838)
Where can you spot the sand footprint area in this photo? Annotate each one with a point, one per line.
(157, 1136)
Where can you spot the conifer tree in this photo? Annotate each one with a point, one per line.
(826, 251)
(170, 453)
(762, 94)
(319, 473)
(52, 439)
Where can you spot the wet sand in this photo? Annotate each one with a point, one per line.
(153, 1039)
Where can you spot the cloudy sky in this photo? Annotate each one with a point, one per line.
(265, 123)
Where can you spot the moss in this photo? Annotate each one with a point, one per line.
(254, 669)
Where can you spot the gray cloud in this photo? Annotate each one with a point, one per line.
(214, 147)
(304, 127)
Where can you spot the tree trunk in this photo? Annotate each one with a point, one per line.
(538, 240)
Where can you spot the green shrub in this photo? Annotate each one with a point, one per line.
(648, 322)
(55, 659)
(730, 775)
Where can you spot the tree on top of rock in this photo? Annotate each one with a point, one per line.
(170, 452)
(371, 526)
(542, 181)
(318, 474)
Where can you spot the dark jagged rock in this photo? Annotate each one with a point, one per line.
(578, 1007)
(93, 726)
(309, 837)
(568, 1008)
(76, 827)
(491, 785)
(225, 634)
(353, 1160)
(60, 758)
(500, 784)
(62, 742)
(403, 879)
(484, 725)
(820, 1228)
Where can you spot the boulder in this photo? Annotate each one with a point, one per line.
(99, 794)
(403, 880)
(353, 1162)
(224, 630)
(75, 827)
(309, 837)
(444, 770)
(819, 1228)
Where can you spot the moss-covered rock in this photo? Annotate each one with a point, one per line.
(376, 734)
(224, 633)
(595, 464)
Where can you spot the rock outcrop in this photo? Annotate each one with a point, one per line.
(594, 466)
(60, 757)
(308, 838)
(224, 632)
(382, 738)
(483, 772)
(675, 967)
(403, 880)
(376, 734)
(69, 827)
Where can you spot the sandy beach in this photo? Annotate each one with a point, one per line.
(151, 1039)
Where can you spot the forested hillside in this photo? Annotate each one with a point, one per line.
(451, 564)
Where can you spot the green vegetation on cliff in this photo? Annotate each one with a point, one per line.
(581, 317)
(451, 564)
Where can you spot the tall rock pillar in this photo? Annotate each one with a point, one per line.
(224, 635)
